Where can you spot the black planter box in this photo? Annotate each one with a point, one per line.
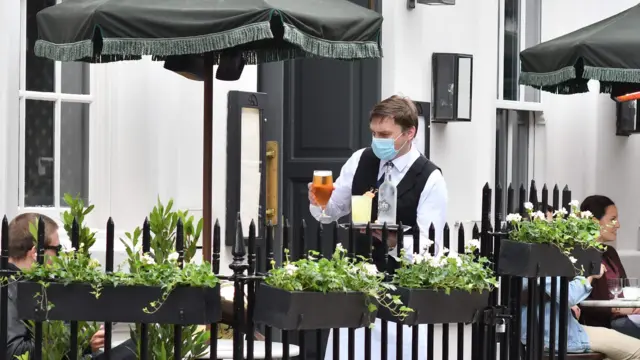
(436, 307)
(302, 310)
(75, 302)
(541, 260)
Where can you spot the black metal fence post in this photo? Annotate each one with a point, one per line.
(238, 266)
(4, 290)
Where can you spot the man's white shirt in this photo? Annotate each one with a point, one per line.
(432, 206)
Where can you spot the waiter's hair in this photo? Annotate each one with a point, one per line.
(20, 238)
(401, 109)
(597, 205)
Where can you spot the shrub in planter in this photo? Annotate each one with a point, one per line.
(564, 245)
(313, 293)
(448, 288)
(72, 287)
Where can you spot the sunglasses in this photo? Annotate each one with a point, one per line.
(56, 248)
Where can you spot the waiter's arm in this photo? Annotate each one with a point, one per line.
(432, 208)
(340, 203)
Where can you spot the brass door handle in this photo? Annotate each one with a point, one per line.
(271, 200)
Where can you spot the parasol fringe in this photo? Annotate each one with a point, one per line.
(612, 74)
(331, 49)
(158, 47)
(547, 79)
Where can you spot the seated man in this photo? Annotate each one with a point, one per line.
(22, 255)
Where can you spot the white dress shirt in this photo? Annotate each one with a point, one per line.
(432, 206)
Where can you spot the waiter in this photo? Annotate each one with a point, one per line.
(422, 201)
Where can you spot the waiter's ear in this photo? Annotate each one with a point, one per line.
(411, 132)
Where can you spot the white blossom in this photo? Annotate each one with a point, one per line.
(474, 243)
(428, 244)
(290, 269)
(586, 214)
(69, 250)
(572, 259)
(370, 269)
(454, 255)
(173, 256)
(444, 251)
(514, 218)
(573, 215)
(539, 215)
(340, 248)
(561, 212)
(417, 258)
(574, 203)
(147, 259)
(528, 206)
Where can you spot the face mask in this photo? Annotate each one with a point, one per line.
(385, 149)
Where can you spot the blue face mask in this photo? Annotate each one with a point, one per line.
(384, 148)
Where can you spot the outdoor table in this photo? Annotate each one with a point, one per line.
(225, 350)
(611, 303)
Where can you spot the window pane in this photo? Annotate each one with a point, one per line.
(532, 38)
(39, 71)
(74, 150)
(511, 28)
(38, 163)
(75, 78)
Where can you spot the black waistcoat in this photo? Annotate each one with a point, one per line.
(408, 190)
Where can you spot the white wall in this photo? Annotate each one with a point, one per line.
(582, 148)
(464, 151)
(156, 123)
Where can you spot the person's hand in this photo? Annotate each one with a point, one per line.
(635, 311)
(622, 311)
(312, 195)
(576, 311)
(392, 237)
(603, 270)
(97, 340)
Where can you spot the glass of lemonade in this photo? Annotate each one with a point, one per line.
(361, 209)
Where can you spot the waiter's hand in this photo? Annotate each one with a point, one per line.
(312, 195)
(576, 311)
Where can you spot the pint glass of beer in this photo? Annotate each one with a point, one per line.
(322, 189)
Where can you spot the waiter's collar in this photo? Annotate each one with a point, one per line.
(403, 161)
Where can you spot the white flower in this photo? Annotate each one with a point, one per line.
(340, 248)
(428, 244)
(574, 203)
(514, 218)
(454, 255)
(539, 215)
(573, 215)
(474, 243)
(173, 256)
(370, 269)
(69, 250)
(528, 206)
(94, 263)
(417, 258)
(147, 259)
(586, 214)
(572, 259)
(561, 212)
(290, 268)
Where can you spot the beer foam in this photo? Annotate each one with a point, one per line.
(322, 173)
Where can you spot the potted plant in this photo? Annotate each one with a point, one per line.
(72, 287)
(448, 288)
(313, 293)
(564, 245)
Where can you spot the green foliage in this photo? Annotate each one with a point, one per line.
(78, 211)
(448, 271)
(163, 223)
(578, 229)
(340, 273)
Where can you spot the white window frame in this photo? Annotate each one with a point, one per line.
(13, 154)
(519, 104)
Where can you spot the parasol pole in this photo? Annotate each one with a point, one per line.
(207, 157)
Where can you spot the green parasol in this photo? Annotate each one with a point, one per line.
(196, 34)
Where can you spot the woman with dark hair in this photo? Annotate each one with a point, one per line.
(606, 212)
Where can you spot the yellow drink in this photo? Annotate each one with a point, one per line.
(361, 209)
